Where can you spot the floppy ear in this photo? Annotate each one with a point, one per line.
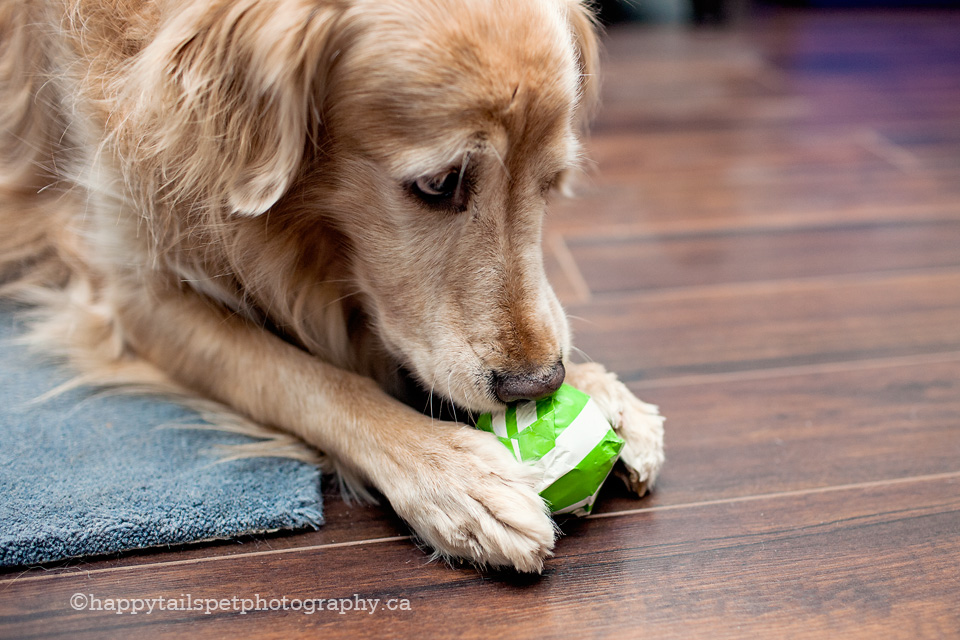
(584, 26)
(224, 98)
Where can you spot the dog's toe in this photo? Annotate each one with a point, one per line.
(641, 428)
(638, 423)
(479, 504)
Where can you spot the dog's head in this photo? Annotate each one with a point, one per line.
(448, 127)
(435, 132)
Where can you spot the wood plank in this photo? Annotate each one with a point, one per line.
(656, 183)
(933, 146)
(627, 264)
(768, 325)
(790, 152)
(811, 68)
(862, 73)
(851, 562)
(737, 438)
(873, 30)
(657, 81)
(643, 205)
(562, 271)
(879, 106)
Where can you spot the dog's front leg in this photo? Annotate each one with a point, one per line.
(460, 490)
(638, 423)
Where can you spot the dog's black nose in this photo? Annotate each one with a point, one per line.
(511, 387)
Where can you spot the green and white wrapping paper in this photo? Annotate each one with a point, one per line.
(567, 439)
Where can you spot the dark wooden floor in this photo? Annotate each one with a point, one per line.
(769, 248)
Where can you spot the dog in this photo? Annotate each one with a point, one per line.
(314, 213)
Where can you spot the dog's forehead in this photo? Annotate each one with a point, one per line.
(427, 79)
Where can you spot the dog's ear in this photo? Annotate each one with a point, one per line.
(584, 25)
(225, 97)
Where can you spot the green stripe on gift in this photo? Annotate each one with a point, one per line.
(553, 414)
(565, 405)
(485, 423)
(584, 480)
(537, 440)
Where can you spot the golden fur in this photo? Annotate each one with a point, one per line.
(235, 201)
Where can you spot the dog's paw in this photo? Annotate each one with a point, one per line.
(638, 423)
(469, 499)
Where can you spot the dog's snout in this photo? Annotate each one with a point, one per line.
(511, 387)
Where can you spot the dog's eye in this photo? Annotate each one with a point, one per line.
(439, 187)
(448, 191)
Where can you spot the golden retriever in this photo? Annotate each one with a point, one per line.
(295, 208)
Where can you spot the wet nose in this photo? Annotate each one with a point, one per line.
(511, 387)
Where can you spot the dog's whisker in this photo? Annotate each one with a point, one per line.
(453, 405)
(582, 353)
(499, 158)
(430, 396)
(463, 170)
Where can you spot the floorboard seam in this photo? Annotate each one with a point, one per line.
(653, 229)
(798, 370)
(689, 505)
(889, 482)
(174, 563)
(748, 287)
